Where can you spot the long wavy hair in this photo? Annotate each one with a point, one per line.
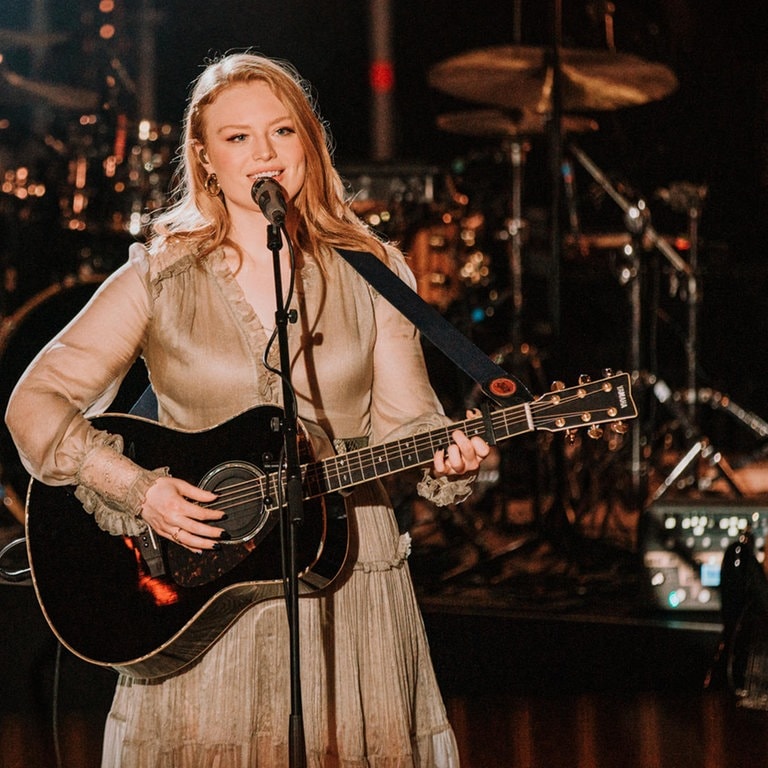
(324, 218)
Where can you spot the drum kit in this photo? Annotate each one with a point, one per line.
(89, 181)
(518, 90)
(71, 199)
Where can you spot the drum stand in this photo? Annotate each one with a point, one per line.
(641, 231)
(688, 198)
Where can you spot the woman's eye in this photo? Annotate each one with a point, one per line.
(285, 130)
(237, 137)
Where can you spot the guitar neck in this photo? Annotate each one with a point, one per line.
(590, 403)
(349, 469)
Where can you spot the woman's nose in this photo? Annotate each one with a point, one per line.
(263, 149)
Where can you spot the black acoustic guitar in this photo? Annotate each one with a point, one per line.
(107, 605)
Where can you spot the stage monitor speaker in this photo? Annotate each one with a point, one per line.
(683, 543)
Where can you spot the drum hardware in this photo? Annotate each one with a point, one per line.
(513, 129)
(642, 236)
(517, 153)
(17, 38)
(700, 446)
(144, 179)
(722, 401)
(112, 188)
(512, 125)
(392, 198)
(16, 90)
(689, 198)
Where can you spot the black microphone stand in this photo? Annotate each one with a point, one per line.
(293, 511)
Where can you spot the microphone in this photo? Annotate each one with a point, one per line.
(270, 197)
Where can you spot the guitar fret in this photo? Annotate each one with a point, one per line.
(314, 481)
(336, 473)
(368, 469)
(380, 459)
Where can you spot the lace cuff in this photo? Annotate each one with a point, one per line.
(443, 491)
(125, 519)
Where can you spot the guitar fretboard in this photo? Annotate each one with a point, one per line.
(592, 403)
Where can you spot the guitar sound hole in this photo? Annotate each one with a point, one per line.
(240, 497)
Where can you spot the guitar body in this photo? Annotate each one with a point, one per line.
(96, 591)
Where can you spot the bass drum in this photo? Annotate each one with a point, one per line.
(22, 335)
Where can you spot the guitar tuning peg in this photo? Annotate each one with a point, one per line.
(595, 431)
(620, 427)
(608, 372)
(584, 378)
(557, 386)
(570, 435)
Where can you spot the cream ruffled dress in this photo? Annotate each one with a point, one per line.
(370, 698)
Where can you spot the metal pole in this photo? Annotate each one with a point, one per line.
(382, 80)
(146, 100)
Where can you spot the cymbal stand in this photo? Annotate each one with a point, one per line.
(637, 218)
(632, 276)
(689, 199)
(638, 224)
(650, 235)
(700, 447)
(694, 300)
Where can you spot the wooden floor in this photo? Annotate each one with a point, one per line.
(504, 730)
(530, 692)
(543, 676)
(608, 730)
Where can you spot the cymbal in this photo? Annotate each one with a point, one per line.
(521, 77)
(16, 89)
(16, 38)
(497, 124)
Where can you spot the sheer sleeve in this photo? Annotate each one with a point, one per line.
(404, 401)
(78, 373)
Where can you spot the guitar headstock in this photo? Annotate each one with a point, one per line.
(589, 404)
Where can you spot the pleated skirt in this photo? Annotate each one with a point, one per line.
(369, 693)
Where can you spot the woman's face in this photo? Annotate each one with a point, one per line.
(249, 135)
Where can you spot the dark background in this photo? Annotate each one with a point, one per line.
(712, 131)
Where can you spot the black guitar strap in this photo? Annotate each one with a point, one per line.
(501, 386)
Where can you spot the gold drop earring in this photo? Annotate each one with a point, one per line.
(211, 185)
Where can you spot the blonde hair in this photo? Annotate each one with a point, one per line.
(324, 219)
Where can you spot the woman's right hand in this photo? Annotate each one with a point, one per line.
(171, 510)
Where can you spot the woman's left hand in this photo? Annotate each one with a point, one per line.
(463, 455)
